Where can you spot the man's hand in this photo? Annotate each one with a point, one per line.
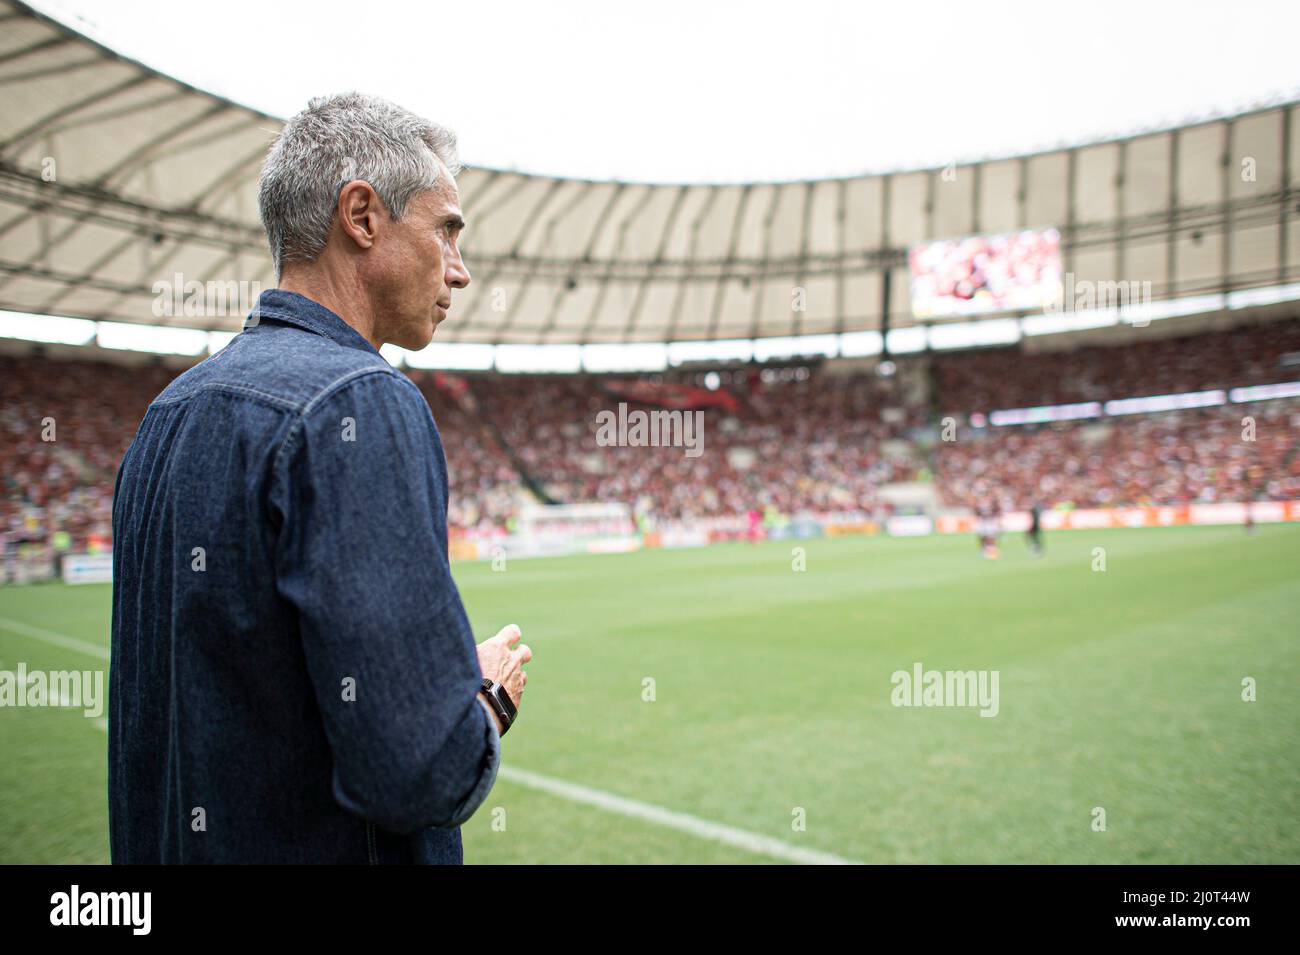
(502, 662)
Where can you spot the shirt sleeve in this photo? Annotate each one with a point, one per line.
(361, 489)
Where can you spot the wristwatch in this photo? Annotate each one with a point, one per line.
(500, 702)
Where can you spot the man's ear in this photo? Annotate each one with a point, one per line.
(359, 212)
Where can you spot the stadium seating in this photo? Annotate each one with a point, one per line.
(805, 440)
(1012, 378)
(1182, 457)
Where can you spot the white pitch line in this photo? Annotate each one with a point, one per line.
(714, 831)
(692, 825)
(57, 639)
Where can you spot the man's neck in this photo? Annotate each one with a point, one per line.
(341, 296)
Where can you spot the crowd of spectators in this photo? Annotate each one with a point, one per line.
(817, 443)
(64, 426)
(1205, 455)
(794, 440)
(1012, 378)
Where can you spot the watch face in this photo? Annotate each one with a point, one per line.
(505, 700)
(501, 702)
(502, 697)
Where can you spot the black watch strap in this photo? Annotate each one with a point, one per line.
(500, 702)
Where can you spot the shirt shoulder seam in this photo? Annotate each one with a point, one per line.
(334, 387)
(339, 383)
(276, 400)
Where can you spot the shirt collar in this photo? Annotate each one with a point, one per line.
(278, 305)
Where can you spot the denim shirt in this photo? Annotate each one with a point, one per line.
(293, 677)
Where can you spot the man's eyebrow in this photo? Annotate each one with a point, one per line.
(456, 222)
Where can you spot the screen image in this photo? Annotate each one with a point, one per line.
(980, 274)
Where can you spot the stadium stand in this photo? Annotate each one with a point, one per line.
(1177, 457)
(799, 439)
(1011, 378)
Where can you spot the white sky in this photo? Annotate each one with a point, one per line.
(730, 91)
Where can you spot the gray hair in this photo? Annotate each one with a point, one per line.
(334, 140)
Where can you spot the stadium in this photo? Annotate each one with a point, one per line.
(748, 462)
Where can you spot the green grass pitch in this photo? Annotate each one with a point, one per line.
(1119, 689)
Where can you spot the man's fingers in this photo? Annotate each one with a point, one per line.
(510, 634)
(508, 669)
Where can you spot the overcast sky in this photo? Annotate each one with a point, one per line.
(723, 92)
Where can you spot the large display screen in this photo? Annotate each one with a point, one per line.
(986, 273)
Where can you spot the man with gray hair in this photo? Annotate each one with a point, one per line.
(293, 676)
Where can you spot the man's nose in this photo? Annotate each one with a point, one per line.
(457, 273)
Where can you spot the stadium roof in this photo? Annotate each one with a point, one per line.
(115, 180)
